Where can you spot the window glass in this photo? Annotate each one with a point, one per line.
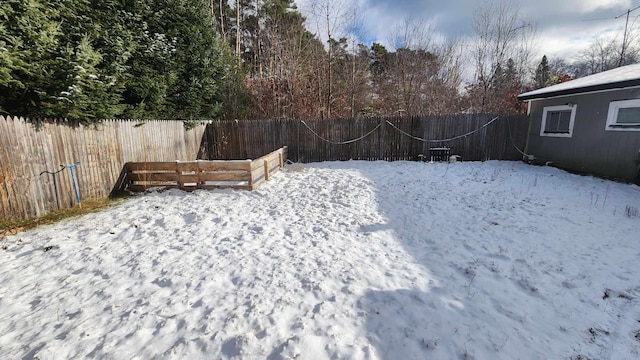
(552, 121)
(558, 121)
(565, 119)
(629, 115)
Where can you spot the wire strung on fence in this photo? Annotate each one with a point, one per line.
(530, 157)
(401, 131)
(442, 140)
(341, 142)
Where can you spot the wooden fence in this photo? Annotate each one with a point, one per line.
(377, 138)
(202, 174)
(29, 148)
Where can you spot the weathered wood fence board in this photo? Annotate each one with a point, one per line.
(28, 148)
(248, 139)
(202, 174)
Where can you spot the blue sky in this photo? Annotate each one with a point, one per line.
(563, 29)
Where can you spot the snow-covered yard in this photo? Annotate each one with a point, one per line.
(362, 260)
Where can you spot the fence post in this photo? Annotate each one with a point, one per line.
(250, 170)
(298, 144)
(179, 175)
(381, 140)
(485, 151)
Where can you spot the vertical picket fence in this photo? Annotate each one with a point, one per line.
(28, 148)
(376, 138)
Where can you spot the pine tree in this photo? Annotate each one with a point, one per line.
(94, 59)
(542, 73)
(29, 39)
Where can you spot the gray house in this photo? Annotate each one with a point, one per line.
(589, 125)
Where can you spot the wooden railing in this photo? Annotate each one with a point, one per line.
(201, 174)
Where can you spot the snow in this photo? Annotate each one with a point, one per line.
(624, 73)
(360, 260)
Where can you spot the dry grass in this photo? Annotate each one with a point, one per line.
(11, 227)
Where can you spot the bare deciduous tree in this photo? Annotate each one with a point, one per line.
(500, 34)
(606, 53)
(421, 75)
(331, 17)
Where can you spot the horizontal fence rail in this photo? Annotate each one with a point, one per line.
(469, 137)
(202, 174)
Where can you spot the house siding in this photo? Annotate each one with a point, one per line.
(590, 149)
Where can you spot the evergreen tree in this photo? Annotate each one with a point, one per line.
(29, 62)
(95, 59)
(542, 73)
(378, 59)
(178, 67)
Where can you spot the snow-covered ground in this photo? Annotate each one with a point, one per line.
(361, 260)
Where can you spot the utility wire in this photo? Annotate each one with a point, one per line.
(612, 17)
(599, 19)
(624, 38)
(627, 12)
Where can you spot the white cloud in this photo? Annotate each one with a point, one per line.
(565, 27)
(587, 6)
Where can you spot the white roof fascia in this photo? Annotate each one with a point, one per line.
(584, 93)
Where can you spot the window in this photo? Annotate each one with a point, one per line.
(624, 115)
(558, 120)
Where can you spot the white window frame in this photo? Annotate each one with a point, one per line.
(612, 116)
(572, 120)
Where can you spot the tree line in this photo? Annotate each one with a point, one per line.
(214, 59)
(90, 60)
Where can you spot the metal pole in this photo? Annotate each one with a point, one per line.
(624, 39)
(73, 177)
